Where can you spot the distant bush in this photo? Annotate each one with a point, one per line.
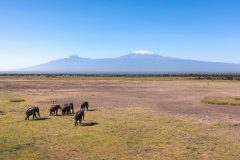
(2, 113)
(16, 100)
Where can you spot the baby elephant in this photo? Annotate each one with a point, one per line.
(84, 105)
(79, 116)
(54, 109)
(32, 111)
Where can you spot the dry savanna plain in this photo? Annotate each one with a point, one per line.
(129, 118)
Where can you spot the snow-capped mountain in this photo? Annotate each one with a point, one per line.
(136, 62)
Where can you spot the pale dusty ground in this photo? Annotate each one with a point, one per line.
(181, 97)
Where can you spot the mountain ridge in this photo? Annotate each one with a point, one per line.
(132, 63)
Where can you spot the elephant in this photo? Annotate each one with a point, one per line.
(67, 108)
(84, 105)
(54, 109)
(79, 116)
(32, 111)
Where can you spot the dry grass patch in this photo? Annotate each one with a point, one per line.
(221, 100)
(130, 132)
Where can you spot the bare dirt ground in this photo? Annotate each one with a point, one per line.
(181, 97)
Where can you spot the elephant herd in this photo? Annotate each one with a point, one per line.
(67, 108)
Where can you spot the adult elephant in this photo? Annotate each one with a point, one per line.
(67, 108)
(79, 116)
(54, 109)
(84, 105)
(32, 112)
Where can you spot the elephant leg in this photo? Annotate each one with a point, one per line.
(80, 120)
(34, 115)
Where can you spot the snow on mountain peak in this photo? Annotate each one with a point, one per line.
(141, 52)
(74, 56)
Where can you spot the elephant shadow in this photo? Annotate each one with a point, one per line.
(91, 110)
(85, 124)
(58, 115)
(41, 119)
(66, 115)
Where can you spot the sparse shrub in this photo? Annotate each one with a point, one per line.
(17, 100)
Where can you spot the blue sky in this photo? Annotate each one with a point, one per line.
(33, 32)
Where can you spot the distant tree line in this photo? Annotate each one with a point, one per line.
(185, 76)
